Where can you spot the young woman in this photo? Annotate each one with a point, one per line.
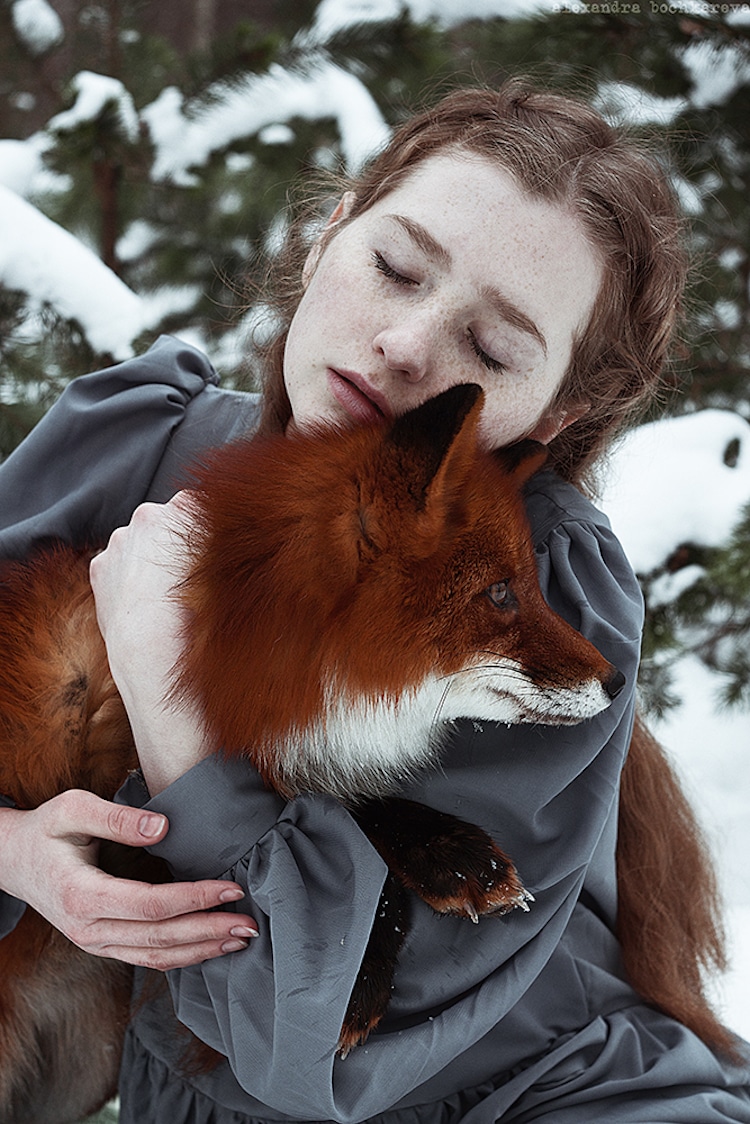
(507, 238)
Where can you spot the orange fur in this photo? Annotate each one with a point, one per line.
(341, 570)
(62, 722)
(669, 908)
(356, 565)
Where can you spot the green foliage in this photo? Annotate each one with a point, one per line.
(197, 244)
(34, 341)
(210, 233)
(709, 619)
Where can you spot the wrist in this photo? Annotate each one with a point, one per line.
(169, 741)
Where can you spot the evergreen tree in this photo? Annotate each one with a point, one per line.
(192, 240)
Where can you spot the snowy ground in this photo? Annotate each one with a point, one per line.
(713, 750)
(668, 484)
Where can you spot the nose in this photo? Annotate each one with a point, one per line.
(406, 348)
(615, 683)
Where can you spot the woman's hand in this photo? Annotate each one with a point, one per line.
(141, 621)
(48, 859)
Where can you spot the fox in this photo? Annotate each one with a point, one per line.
(367, 587)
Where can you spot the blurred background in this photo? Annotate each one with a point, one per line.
(147, 153)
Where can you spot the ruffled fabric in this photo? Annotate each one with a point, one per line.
(629, 1067)
(157, 1095)
(106, 445)
(520, 1018)
(633, 1066)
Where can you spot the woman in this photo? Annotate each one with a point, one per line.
(510, 239)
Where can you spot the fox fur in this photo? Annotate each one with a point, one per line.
(350, 594)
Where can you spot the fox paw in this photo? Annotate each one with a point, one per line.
(453, 865)
(471, 877)
(357, 1026)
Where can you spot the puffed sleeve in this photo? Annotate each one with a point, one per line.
(547, 795)
(92, 458)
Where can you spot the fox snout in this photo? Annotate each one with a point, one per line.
(614, 684)
(563, 692)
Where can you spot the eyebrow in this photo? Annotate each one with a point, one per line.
(502, 304)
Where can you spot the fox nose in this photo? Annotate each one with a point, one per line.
(615, 683)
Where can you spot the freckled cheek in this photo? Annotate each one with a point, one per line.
(345, 310)
(510, 413)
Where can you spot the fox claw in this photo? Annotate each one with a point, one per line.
(519, 900)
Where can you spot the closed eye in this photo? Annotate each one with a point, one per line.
(388, 271)
(487, 360)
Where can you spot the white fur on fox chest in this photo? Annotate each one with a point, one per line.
(370, 746)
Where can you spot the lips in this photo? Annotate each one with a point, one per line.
(362, 402)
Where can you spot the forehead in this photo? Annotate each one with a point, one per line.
(495, 232)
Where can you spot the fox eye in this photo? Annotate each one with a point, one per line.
(500, 595)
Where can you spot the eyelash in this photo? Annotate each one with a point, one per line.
(399, 279)
(486, 360)
(388, 271)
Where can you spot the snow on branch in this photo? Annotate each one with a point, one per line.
(673, 481)
(41, 258)
(93, 92)
(324, 90)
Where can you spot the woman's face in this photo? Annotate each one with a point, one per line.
(457, 275)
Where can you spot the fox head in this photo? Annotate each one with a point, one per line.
(354, 590)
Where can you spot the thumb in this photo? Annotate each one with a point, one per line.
(81, 813)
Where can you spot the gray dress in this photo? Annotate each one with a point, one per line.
(521, 1018)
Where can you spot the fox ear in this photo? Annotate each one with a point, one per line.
(429, 454)
(437, 439)
(523, 459)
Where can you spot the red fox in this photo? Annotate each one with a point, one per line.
(366, 587)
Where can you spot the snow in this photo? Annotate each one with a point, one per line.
(715, 74)
(93, 92)
(668, 482)
(20, 162)
(273, 98)
(41, 258)
(37, 24)
(332, 16)
(620, 102)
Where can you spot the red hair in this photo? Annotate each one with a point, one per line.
(562, 150)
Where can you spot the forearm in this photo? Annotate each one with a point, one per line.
(11, 907)
(169, 740)
(142, 621)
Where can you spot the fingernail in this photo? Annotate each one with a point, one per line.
(231, 895)
(233, 946)
(150, 825)
(243, 931)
